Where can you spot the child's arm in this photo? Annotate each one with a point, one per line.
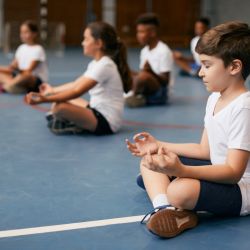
(144, 143)
(63, 87)
(81, 86)
(177, 55)
(8, 69)
(163, 78)
(191, 150)
(47, 89)
(32, 66)
(228, 173)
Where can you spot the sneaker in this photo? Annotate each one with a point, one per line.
(130, 93)
(168, 223)
(49, 116)
(60, 127)
(135, 101)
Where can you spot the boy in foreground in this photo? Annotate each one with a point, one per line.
(213, 175)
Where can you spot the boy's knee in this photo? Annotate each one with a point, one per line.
(182, 192)
(143, 77)
(14, 89)
(59, 108)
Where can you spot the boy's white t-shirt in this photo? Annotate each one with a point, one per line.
(230, 129)
(193, 44)
(25, 54)
(107, 95)
(160, 59)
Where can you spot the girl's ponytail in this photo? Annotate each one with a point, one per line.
(114, 48)
(120, 58)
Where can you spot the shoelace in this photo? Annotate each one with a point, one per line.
(144, 219)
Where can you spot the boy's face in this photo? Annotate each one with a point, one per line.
(200, 28)
(145, 33)
(214, 74)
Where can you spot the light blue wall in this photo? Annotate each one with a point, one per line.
(226, 10)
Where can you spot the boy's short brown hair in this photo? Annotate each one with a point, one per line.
(228, 41)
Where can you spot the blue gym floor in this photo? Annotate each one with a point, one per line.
(50, 180)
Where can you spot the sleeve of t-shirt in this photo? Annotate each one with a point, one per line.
(39, 54)
(239, 131)
(18, 52)
(98, 72)
(166, 64)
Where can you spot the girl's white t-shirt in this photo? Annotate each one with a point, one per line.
(107, 95)
(230, 129)
(26, 54)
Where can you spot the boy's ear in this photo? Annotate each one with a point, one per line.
(236, 66)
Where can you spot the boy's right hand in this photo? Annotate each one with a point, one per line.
(45, 89)
(144, 144)
(177, 55)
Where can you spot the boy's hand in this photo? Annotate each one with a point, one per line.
(177, 54)
(147, 67)
(144, 144)
(34, 98)
(46, 88)
(163, 162)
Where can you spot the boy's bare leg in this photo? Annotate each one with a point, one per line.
(80, 102)
(183, 193)
(154, 182)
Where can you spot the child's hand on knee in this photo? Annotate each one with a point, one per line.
(164, 162)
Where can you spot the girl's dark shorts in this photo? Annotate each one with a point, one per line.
(103, 127)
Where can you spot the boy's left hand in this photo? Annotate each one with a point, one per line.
(163, 162)
(34, 98)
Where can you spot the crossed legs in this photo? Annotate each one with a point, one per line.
(18, 84)
(145, 83)
(77, 112)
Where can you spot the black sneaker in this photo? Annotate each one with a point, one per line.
(135, 101)
(49, 116)
(60, 127)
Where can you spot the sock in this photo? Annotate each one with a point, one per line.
(160, 200)
(130, 93)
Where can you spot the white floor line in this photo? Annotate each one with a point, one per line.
(66, 227)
